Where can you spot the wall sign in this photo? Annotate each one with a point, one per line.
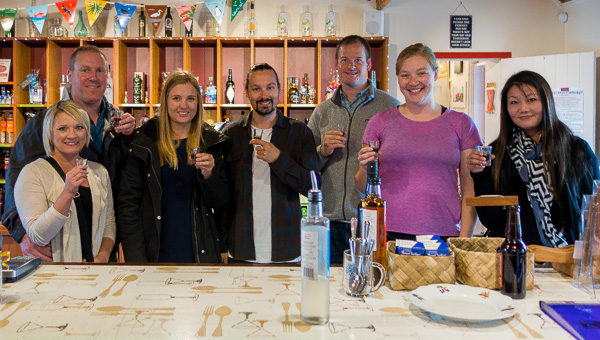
(461, 31)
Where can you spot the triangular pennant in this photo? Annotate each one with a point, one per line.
(216, 8)
(186, 13)
(7, 17)
(156, 14)
(93, 9)
(67, 8)
(124, 12)
(38, 15)
(236, 6)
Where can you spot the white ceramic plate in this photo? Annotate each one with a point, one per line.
(463, 303)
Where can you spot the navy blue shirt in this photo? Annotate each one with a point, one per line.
(176, 244)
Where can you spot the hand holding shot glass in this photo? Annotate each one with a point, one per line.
(479, 158)
(486, 151)
(202, 161)
(374, 144)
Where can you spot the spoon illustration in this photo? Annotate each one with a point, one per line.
(127, 279)
(221, 312)
(301, 325)
(5, 321)
(54, 274)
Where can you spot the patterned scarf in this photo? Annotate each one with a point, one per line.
(527, 156)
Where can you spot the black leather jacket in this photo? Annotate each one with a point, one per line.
(140, 194)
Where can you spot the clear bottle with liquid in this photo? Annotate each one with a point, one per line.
(210, 96)
(513, 257)
(57, 29)
(109, 94)
(330, 23)
(282, 23)
(118, 28)
(372, 210)
(251, 22)
(306, 22)
(230, 89)
(293, 93)
(315, 259)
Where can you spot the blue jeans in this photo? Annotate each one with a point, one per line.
(339, 234)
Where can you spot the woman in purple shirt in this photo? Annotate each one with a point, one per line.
(422, 156)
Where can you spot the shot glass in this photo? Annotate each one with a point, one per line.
(80, 161)
(257, 133)
(374, 144)
(117, 118)
(342, 128)
(194, 150)
(487, 153)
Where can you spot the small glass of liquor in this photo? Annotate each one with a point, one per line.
(374, 144)
(342, 129)
(487, 153)
(80, 161)
(117, 118)
(194, 150)
(257, 133)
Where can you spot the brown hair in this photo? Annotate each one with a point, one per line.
(416, 50)
(351, 40)
(86, 49)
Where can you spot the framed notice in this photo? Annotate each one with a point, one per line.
(459, 89)
(461, 31)
(4, 70)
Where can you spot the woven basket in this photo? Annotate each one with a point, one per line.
(410, 272)
(478, 264)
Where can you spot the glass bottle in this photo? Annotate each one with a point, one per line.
(80, 30)
(230, 89)
(2, 129)
(251, 22)
(125, 98)
(216, 28)
(168, 23)
(57, 29)
(142, 23)
(118, 28)
(304, 90)
(330, 22)
(513, 256)
(371, 210)
(282, 23)
(109, 94)
(374, 80)
(137, 89)
(315, 259)
(3, 96)
(306, 21)
(190, 32)
(210, 96)
(293, 93)
(10, 133)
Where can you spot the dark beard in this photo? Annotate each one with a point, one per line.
(262, 113)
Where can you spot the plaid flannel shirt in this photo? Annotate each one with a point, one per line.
(290, 175)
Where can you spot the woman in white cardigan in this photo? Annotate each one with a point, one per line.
(64, 204)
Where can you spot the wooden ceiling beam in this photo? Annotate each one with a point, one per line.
(382, 3)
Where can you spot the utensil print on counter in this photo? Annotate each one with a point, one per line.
(190, 270)
(335, 327)
(208, 311)
(127, 279)
(54, 276)
(115, 280)
(5, 321)
(165, 297)
(287, 324)
(221, 312)
(238, 290)
(301, 325)
(515, 331)
(261, 332)
(33, 327)
(246, 323)
(531, 331)
(121, 270)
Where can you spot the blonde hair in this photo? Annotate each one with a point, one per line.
(71, 109)
(166, 145)
(416, 50)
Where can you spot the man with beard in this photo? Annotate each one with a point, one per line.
(269, 160)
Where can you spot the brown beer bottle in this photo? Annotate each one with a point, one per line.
(371, 209)
(513, 256)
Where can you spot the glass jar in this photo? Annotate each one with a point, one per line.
(57, 29)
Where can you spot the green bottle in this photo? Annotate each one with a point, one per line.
(80, 30)
(137, 89)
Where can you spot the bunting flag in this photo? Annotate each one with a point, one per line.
(67, 8)
(156, 14)
(93, 9)
(7, 17)
(124, 13)
(216, 8)
(38, 15)
(186, 13)
(236, 6)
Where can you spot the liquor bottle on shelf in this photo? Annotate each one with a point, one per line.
(125, 98)
(137, 89)
(108, 94)
(3, 96)
(2, 129)
(315, 259)
(306, 21)
(251, 22)
(118, 28)
(168, 23)
(62, 88)
(293, 93)
(10, 132)
(230, 89)
(282, 23)
(304, 90)
(513, 257)
(210, 96)
(45, 90)
(216, 28)
(142, 23)
(374, 79)
(146, 99)
(80, 30)
(189, 32)
(330, 22)
(371, 210)
(12, 97)
(57, 29)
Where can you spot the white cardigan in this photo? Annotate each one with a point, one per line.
(37, 188)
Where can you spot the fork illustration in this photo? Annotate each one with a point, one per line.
(115, 280)
(287, 324)
(208, 311)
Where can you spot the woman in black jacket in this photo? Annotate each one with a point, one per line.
(537, 158)
(169, 194)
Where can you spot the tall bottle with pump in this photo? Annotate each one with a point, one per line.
(142, 23)
(315, 259)
(372, 215)
(513, 256)
(229, 89)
